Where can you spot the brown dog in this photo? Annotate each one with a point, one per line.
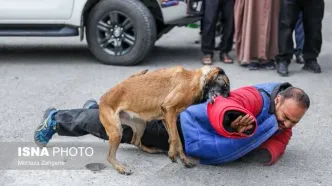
(157, 95)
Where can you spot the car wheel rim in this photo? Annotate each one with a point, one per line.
(116, 33)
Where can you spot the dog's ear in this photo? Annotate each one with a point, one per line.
(225, 78)
(215, 73)
(212, 75)
(221, 71)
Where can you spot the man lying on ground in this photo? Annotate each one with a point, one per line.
(208, 131)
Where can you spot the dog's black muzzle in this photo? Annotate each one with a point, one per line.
(218, 88)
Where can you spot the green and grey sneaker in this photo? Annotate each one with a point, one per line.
(46, 129)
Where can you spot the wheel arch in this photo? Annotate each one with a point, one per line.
(152, 5)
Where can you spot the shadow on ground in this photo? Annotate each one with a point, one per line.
(33, 54)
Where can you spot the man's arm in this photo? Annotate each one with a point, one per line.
(269, 152)
(276, 145)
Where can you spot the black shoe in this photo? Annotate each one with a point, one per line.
(299, 59)
(282, 68)
(269, 65)
(312, 66)
(253, 66)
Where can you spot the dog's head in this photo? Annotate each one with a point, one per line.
(216, 84)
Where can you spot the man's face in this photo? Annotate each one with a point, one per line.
(288, 112)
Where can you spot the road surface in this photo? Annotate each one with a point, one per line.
(37, 73)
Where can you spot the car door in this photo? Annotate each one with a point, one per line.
(36, 9)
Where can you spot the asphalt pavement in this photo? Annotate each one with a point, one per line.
(36, 73)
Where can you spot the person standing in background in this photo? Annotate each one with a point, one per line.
(211, 11)
(313, 13)
(256, 32)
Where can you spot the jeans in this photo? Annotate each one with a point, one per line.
(80, 122)
(299, 36)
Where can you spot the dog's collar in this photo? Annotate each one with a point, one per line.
(205, 76)
(204, 91)
(206, 85)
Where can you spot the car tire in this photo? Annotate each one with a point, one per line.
(143, 29)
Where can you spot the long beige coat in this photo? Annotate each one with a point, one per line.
(256, 29)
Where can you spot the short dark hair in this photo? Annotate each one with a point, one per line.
(297, 94)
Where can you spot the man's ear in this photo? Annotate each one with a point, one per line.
(278, 100)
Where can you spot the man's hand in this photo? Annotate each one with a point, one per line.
(260, 155)
(243, 123)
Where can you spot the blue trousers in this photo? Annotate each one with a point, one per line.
(299, 35)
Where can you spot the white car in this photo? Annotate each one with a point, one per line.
(118, 32)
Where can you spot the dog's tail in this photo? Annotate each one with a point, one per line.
(139, 73)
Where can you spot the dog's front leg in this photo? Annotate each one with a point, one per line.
(174, 139)
(185, 160)
(169, 108)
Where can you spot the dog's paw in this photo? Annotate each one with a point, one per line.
(188, 163)
(172, 157)
(124, 170)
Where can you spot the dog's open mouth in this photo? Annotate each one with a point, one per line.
(217, 90)
(225, 94)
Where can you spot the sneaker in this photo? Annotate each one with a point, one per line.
(46, 129)
(312, 66)
(269, 65)
(282, 67)
(299, 59)
(90, 104)
(253, 66)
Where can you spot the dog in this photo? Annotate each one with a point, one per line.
(157, 95)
